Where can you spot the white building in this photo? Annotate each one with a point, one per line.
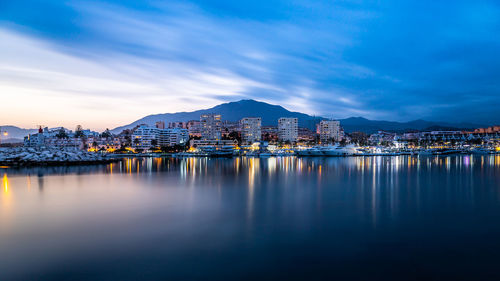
(330, 131)
(288, 129)
(143, 136)
(251, 129)
(211, 127)
(173, 136)
(57, 137)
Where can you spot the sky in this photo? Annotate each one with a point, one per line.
(102, 64)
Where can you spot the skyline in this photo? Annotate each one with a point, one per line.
(115, 62)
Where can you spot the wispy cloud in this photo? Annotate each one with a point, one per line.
(105, 64)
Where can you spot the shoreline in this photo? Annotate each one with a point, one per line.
(117, 158)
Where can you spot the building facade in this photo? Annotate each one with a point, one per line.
(182, 125)
(288, 129)
(211, 127)
(160, 125)
(251, 130)
(194, 128)
(329, 131)
(173, 136)
(144, 137)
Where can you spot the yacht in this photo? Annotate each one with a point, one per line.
(349, 150)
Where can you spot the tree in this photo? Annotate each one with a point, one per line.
(94, 144)
(136, 141)
(79, 131)
(154, 143)
(106, 134)
(343, 142)
(61, 134)
(175, 148)
(235, 136)
(359, 138)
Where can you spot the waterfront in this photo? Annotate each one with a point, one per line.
(400, 218)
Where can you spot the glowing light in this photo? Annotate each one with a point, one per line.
(5, 183)
(5, 133)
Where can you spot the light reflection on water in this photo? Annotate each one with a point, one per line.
(165, 210)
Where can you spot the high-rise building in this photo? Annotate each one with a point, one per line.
(211, 126)
(251, 129)
(329, 131)
(181, 125)
(160, 125)
(194, 128)
(288, 129)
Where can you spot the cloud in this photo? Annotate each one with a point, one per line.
(117, 61)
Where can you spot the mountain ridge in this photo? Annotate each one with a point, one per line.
(270, 113)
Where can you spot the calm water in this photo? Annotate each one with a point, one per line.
(399, 218)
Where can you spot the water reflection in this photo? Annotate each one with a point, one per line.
(5, 183)
(245, 204)
(389, 181)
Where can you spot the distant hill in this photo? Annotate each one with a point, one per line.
(234, 111)
(15, 134)
(371, 126)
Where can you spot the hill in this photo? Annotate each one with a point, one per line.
(14, 134)
(234, 111)
(231, 111)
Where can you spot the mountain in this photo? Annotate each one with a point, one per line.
(234, 111)
(14, 134)
(371, 126)
(231, 111)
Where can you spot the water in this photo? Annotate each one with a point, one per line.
(399, 218)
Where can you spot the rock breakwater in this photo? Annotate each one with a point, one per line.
(49, 156)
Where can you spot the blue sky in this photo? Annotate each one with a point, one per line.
(104, 64)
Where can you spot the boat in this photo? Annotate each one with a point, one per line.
(303, 152)
(425, 152)
(349, 150)
(482, 151)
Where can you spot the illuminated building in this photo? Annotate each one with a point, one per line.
(211, 126)
(288, 129)
(194, 128)
(251, 129)
(329, 131)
